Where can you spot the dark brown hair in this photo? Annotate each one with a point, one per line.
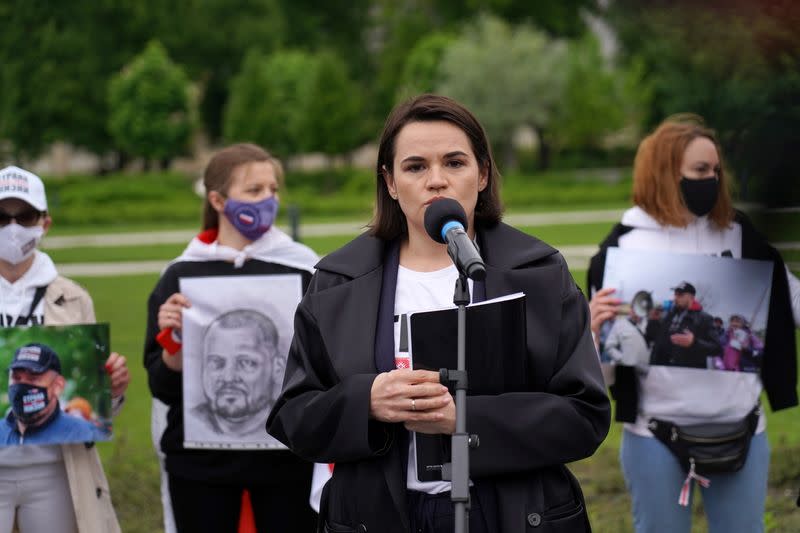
(219, 172)
(389, 221)
(657, 173)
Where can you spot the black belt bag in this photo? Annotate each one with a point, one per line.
(708, 448)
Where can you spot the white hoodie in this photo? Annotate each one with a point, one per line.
(689, 395)
(16, 298)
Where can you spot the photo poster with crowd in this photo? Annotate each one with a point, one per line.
(54, 382)
(695, 311)
(236, 338)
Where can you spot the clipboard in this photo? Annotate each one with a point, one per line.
(496, 359)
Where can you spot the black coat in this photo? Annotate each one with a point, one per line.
(706, 339)
(323, 411)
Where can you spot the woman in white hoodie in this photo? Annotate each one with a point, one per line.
(56, 488)
(205, 486)
(683, 205)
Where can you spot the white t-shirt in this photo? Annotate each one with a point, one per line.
(422, 291)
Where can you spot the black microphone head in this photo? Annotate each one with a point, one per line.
(439, 213)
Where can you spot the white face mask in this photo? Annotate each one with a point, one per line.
(17, 243)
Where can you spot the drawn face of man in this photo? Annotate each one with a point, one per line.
(237, 371)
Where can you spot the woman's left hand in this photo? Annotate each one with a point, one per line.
(445, 425)
(117, 369)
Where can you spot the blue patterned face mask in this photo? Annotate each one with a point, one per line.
(251, 219)
(27, 401)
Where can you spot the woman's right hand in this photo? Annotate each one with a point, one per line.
(408, 396)
(603, 307)
(170, 316)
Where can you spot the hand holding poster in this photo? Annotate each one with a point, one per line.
(56, 389)
(236, 339)
(686, 310)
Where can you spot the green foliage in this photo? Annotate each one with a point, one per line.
(597, 98)
(422, 70)
(82, 352)
(518, 76)
(123, 198)
(267, 100)
(151, 107)
(294, 101)
(734, 62)
(167, 200)
(329, 117)
(56, 59)
(509, 77)
(210, 39)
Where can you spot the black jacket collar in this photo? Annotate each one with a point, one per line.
(502, 247)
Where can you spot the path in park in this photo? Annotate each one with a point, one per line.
(577, 256)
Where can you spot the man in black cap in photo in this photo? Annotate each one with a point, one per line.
(687, 336)
(34, 386)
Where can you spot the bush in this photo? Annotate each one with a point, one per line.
(168, 198)
(119, 199)
(151, 111)
(292, 102)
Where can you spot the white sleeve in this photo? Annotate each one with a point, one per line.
(613, 344)
(794, 294)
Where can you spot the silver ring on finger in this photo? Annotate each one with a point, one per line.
(413, 404)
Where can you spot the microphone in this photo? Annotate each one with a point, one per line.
(446, 222)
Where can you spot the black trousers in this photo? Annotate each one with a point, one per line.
(203, 507)
(434, 513)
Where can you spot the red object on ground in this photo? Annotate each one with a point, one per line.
(247, 520)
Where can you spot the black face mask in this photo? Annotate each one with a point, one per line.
(700, 195)
(27, 401)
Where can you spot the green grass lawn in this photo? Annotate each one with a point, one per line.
(130, 460)
(131, 465)
(98, 254)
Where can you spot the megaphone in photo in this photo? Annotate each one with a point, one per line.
(641, 303)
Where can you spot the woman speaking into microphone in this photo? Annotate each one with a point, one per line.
(344, 400)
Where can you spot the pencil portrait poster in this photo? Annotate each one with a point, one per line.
(236, 337)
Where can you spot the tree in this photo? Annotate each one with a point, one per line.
(331, 110)
(267, 100)
(598, 98)
(151, 110)
(211, 38)
(422, 71)
(736, 63)
(292, 102)
(508, 77)
(397, 26)
(56, 60)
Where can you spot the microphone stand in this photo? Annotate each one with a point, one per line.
(457, 471)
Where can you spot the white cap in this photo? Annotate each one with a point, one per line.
(27, 186)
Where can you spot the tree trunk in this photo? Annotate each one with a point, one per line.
(509, 156)
(544, 149)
